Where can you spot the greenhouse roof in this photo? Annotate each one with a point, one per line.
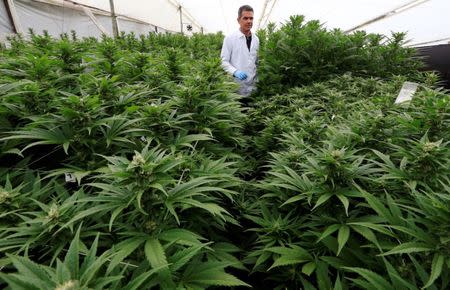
(425, 21)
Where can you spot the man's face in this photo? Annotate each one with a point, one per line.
(246, 21)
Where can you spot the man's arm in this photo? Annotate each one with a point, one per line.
(225, 55)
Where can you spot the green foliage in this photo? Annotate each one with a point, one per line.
(301, 53)
(360, 184)
(148, 136)
(130, 163)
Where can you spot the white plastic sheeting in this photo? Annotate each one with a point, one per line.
(58, 17)
(425, 22)
(6, 27)
(56, 20)
(163, 13)
(129, 26)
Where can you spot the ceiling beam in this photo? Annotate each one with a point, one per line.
(89, 13)
(12, 13)
(186, 13)
(390, 13)
(262, 22)
(447, 39)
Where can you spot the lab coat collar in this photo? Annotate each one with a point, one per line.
(242, 34)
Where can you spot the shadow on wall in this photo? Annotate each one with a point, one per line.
(437, 58)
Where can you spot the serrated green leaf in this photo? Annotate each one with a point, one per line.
(181, 236)
(123, 250)
(373, 278)
(377, 206)
(338, 283)
(329, 230)
(14, 151)
(343, 235)
(180, 258)
(323, 276)
(137, 282)
(345, 202)
(155, 254)
(16, 281)
(62, 272)
(406, 248)
(289, 256)
(397, 280)
(366, 233)
(101, 208)
(323, 198)
(421, 273)
(215, 277)
(71, 259)
(261, 259)
(308, 268)
(436, 269)
(31, 272)
(294, 199)
(307, 285)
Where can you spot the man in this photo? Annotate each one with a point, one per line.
(239, 52)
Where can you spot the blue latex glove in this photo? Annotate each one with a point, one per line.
(240, 75)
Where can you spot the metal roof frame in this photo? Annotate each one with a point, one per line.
(399, 9)
(265, 16)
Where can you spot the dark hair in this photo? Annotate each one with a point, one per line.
(244, 8)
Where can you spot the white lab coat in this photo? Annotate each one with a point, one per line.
(236, 56)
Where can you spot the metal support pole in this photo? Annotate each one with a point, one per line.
(265, 16)
(390, 13)
(12, 14)
(114, 19)
(91, 15)
(429, 42)
(181, 19)
(186, 13)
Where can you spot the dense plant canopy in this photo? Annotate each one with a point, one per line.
(131, 163)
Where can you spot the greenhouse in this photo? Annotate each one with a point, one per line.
(181, 144)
